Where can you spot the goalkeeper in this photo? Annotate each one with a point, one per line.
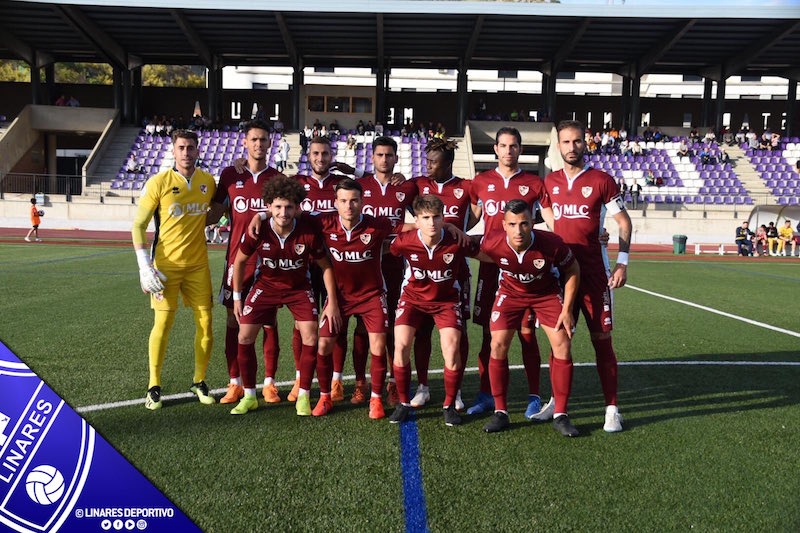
(177, 200)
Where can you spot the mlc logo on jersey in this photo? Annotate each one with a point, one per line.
(192, 209)
(570, 211)
(242, 204)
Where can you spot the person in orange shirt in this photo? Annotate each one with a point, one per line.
(35, 221)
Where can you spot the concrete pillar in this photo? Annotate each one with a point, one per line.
(118, 91)
(380, 93)
(137, 96)
(720, 107)
(297, 84)
(127, 100)
(50, 84)
(461, 99)
(625, 111)
(36, 85)
(791, 108)
(705, 119)
(51, 147)
(636, 113)
(212, 95)
(549, 96)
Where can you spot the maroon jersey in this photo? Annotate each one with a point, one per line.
(431, 274)
(492, 191)
(456, 194)
(387, 201)
(533, 271)
(320, 196)
(356, 255)
(283, 263)
(579, 208)
(243, 195)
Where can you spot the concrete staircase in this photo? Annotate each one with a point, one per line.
(461, 163)
(114, 157)
(747, 174)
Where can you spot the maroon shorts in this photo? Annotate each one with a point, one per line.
(485, 293)
(445, 314)
(510, 311)
(597, 306)
(466, 292)
(372, 311)
(226, 288)
(393, 277)
(262, 308)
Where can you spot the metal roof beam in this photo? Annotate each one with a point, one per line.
(23, 50)
(664, 44)
(98, 38)
(194, 38)
(381, 52)
(473, 40)
(736, 63)
(552, 66)
(294, 59)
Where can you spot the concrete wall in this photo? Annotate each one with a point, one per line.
(345, 120)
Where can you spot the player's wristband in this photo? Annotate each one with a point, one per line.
(359, 173)
(622, 258)
(143, 258)
(237, 296)
(263, 216)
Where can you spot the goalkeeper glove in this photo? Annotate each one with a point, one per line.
(149, 278)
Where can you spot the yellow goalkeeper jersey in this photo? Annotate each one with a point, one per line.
(178, 206)
(785, 233)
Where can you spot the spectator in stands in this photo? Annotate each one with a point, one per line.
(180, 123)
(785, 238)
(150, 128)
(760, 241)
(360, 128)
(623, 133)
(694, 135)
(623, 187)
(278, 125)
(636, 191)
(752, 139)
(774, 143)
(705, 155)
(744, 239)
(260, 115)
(161, 129)
(133, 164)
(73, 102)
(514, 116)
(658, 136)
(727, 137)
(741, 135)
(591, 146)
(323, 131)
(334, 126)
(305, 135)
(422, 131)
(764, 143)
(441, 133)
(370, 126)
(636, 148)
(351, 142)
(772, 237)
(62, 101)
(683, 149)
(724, 156)
(710, 137)
(379, 129)
(625, 148)
(282, 155)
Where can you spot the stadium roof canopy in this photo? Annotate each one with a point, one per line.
(699, 38)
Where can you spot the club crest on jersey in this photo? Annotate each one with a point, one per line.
(299, 248)
(203, 189)
(495, 315)
(247, 310)
(400, 196)
(306, 186)
(523, 189)
(458, 193)
(448, 258)
(426, 190)
(366, 238)
(240, 184)
(586, 191)
(538, 263)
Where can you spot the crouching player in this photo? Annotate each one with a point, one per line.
(286, 245)
(531, 262)
(355, 242)
(434, 259)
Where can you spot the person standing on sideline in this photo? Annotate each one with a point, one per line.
(636, 190)
(36, 215)
(178, 198)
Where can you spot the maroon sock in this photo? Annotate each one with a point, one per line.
(339, 352)
(561, 381)
(402, 375)
(422, 351)
(464, 349)
(324, 372)
(498, 375)
(452, 382)
(531, 360)
(308, 363)
(360, 351)
(232, 351)
(483, 362)
(271, 351)
(377, 372)
(246, 355)
(606, 368)
(297, 343)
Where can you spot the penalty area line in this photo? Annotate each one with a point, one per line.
(716, 311)
(434, 371)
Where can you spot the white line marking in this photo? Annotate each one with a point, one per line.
(469, 369)
(717, 311)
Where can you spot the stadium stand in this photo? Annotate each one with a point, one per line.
(777, 170)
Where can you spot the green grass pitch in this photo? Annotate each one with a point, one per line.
(704, 447)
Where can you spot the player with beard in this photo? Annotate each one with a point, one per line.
(456, 195)
(492, 189)
(581, 196)
(240, 191)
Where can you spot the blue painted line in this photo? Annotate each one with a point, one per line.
(413, 491)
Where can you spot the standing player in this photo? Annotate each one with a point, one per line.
(456, 195)
(36, 215)
(434, 259)
(178, 198)
(285, 247)
(355, 242)
(241, 193)
(527, 259)
(492, 190)
(581, 197)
